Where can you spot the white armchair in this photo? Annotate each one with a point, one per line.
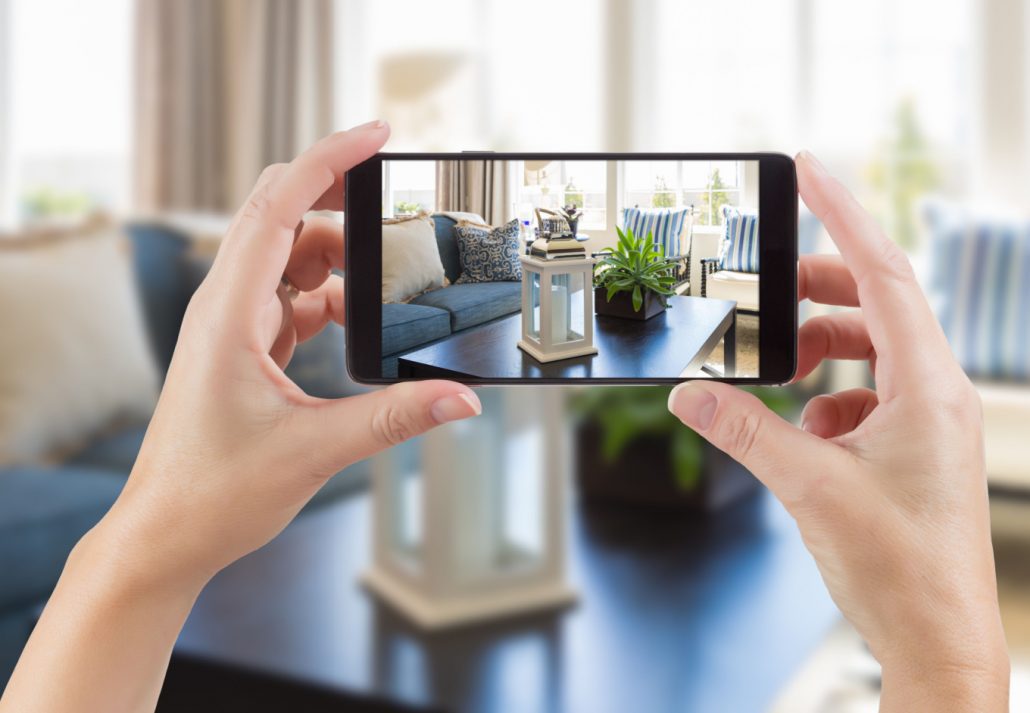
(729, 285)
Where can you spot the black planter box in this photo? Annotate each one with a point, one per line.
(643, 475)
(622, 305)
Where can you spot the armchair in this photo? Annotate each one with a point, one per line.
(729, 285)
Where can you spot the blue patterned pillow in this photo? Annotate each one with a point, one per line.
(980, 287)
(488, 254)
(739, 249)
(665, 224)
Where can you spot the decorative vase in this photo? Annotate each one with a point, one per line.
(621, 305)
(573, 225)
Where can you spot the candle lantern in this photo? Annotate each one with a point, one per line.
(469, 519)
(557, 307)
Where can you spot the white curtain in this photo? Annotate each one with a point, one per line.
(224, 88)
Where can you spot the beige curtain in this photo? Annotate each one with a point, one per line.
(224, 88)
(474, 187)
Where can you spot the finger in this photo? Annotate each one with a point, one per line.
(317, 251)
(348, 430)
(826, 279)
(315, 309)
(736, 422)
(285, 341)
(832, 336)
(261, 241)
(901, 324)
(832, 415)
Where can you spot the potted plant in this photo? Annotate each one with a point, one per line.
(632, 451)
(572, 213)
(633, 279)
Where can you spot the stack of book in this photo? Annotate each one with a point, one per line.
(557, 247)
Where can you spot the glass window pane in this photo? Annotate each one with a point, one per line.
(566, 308)
(695, 174)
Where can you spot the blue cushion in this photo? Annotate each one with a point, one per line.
(157, 256)
(114, 451)
(43, 513)
(739, 249)
(980, 288)
(447, 244)
(474, 303)
(489, 254)
(665, 225)
(409, 325)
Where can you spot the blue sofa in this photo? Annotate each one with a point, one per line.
(438, 314)
(45, 510)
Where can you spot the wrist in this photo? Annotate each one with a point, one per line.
(136, 560)
(958, 665)
(976, 685)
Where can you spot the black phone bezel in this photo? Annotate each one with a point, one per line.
(777, 291)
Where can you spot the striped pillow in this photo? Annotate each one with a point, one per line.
(666, 224)
(739, 249)
(980, 287)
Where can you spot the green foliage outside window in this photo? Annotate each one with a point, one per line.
(713, 199)
(574, 195)
(902, 172)
(663, 197)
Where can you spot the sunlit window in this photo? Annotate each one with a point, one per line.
(704, 186)
(409, 187)
(70, 108)
(557, 184)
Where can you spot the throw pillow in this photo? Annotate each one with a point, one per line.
(74, 356)
(411, 259)
(488, 254)
(739, 249)
(979, 289)
(666, 225)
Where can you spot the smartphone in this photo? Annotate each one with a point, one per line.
(572, 268)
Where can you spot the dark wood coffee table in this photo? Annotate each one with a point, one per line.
(673, 343)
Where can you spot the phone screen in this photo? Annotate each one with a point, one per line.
(540, 268)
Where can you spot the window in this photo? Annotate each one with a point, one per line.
(70, 108)
(556, 184)
(704, 185)
(408, 187)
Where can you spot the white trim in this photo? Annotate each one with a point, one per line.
(452, 611)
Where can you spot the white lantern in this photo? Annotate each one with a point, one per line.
(469, 520)
(557, 308)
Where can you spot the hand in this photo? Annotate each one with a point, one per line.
(235, 448)
(888, 487)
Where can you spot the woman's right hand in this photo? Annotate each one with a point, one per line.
(888, 486)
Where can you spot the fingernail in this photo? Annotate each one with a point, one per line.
(455, 407)
(806, 425)
(809, 158)
(375, 124)
(694, 405)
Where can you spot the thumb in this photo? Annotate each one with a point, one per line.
(351, 429)
(739, 424)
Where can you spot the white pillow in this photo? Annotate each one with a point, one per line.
(73, 355)
(411, 259)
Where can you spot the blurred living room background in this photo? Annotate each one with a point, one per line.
(574, 549)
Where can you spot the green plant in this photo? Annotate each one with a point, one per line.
(574, 196)
(713, 199)
(636, 265)
(406, 207)
(47, 202)
(662, 197)
(627, 413)
(903, 170)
